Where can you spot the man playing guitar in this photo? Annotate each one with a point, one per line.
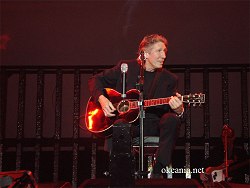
(164, 120)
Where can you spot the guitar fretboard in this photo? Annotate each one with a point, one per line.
(151, 102)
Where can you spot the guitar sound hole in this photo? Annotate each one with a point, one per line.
(123, 107)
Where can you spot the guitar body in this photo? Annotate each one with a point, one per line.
(97, 122)
(215, 174)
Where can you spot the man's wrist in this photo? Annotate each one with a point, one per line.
(100, 97)
(181, 114)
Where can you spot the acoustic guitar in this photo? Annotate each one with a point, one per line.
(128, 109)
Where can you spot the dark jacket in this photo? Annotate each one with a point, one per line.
(111, 78)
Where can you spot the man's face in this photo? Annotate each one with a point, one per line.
(155, 56)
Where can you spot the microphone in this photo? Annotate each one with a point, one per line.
(142, 56)
(124, 69)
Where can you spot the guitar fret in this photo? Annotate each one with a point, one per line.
(134, 105)
(155, 102)
(165, 100)
(160, 101)
(151, 102)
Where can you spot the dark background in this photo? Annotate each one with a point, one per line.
(83, 32)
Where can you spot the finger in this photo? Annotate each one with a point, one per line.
(176, 102)
(108, 106)
(176, 98)
(178, 94)
(173, 102)
(108, 110)
(109, 114)
(112, 108)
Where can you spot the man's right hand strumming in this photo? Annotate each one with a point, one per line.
(107, 106)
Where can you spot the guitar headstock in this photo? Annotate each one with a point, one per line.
(194, 99)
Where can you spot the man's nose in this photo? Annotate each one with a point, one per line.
(163, 55)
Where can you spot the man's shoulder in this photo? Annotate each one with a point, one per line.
(169, 74)
(129, 61)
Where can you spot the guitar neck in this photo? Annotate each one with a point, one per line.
(190, 99)
(156, 102)
(151, 102)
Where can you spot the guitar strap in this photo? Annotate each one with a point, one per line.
(154, 84)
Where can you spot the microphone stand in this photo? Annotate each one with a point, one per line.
(141, 114)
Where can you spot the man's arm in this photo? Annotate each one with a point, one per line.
(106, 79)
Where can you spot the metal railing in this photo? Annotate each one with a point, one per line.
(18, 83)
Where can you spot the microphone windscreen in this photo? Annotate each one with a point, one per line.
(124, 67)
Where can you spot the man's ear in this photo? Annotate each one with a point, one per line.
(146, 54)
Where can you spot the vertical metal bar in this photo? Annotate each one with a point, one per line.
(244, 109)
(39, 121)
(93, 158)
(225, 101)
(225, 97)
(206, 113)
(1, 156)
(76, 124)
(93, 150)
(58, 121)
(187, 126)
(3, 99)
(20, 117)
